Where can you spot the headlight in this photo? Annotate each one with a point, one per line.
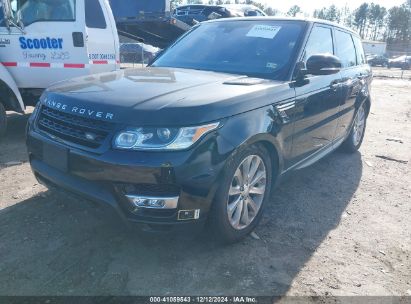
(161, 138)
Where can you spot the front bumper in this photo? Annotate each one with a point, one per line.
(114, 176)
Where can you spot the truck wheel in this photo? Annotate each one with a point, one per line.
(3, 120)
(239, 202)
(354, 140)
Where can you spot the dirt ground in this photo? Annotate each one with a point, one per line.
(392, 73)
(340, 227)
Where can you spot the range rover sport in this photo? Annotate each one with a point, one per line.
(204, 133)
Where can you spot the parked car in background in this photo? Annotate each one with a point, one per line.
(244, 10)
(407, 63)
(137, 52)
(377, 60)
(192, 14)
(205, 132)
(399, 62)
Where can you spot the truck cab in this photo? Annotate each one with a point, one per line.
(46, 41)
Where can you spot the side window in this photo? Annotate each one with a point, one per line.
(319, 42)
(94, 15)
(345, 49)
(43, 10)
(360, 51)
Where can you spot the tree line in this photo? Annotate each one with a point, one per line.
(372, 21)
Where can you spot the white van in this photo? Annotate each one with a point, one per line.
(46, 41)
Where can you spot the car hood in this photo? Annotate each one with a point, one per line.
(163, 96)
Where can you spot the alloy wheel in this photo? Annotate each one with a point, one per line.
(359, 126)
(247, 191)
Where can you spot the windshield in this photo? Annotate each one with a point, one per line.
(2, 16)
(32, 11)
(262, 49)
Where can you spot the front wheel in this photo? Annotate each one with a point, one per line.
(239, 202)
(354, 140)
(3, 120)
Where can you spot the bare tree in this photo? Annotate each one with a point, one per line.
(294, 10)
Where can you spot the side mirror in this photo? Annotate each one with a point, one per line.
(323, 64)
(20, 20)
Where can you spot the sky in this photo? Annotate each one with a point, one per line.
(309, 6)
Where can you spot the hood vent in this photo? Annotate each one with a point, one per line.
(245, 81)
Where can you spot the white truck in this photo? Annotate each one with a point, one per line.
(46, 41)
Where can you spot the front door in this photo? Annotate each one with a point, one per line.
(317, 102)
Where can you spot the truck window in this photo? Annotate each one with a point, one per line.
(319, 42)
(345, 49)
(44, 10)
(94, 14)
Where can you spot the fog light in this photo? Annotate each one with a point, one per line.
(153, 202)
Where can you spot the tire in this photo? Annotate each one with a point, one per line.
(224, 225)
(356, 136)
(3, 121)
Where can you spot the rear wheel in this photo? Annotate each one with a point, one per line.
(3, 120)
(239, 202)
(354, 140)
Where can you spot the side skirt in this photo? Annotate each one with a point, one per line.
(312, 159)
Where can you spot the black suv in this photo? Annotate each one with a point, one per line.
(377, 60)
(208, 129)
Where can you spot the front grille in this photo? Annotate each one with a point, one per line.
(78, 130)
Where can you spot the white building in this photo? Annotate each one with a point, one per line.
(374, 47)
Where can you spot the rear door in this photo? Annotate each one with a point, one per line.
(50, 48)
(355, 74)
(318, 100)
(101, 41)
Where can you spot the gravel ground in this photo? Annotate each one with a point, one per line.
(340, 227)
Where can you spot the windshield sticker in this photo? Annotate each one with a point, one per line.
(264, 31)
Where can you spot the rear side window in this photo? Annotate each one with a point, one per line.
(345, 49)
(94, 15)
(319, 42)
(360, 51)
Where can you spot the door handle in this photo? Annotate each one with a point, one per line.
(335, 85)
